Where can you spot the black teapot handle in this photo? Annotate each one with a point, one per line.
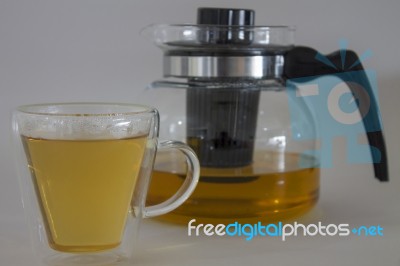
(302, 62)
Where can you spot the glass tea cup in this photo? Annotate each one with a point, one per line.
(84, 171)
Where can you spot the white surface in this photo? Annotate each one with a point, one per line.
(53, 51)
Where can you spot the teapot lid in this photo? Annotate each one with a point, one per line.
(222, 40)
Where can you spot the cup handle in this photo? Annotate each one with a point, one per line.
(188, 186)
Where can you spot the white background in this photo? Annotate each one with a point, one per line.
(58, 51)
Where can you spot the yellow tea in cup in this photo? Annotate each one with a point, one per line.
(85, 188)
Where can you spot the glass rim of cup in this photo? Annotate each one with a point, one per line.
(35, 109)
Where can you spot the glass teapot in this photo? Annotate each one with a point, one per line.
(224, 93)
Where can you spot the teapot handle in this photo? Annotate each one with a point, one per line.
(303, 62)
